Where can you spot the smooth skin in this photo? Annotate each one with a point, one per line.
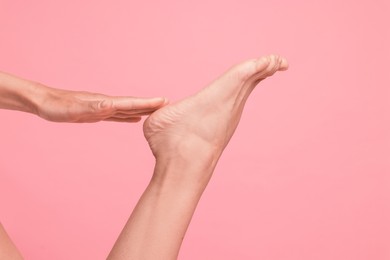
(199, 125)
(8, 250)
(59, 105)
(187, 139)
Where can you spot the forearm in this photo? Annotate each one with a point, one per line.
(157, 226)
(19, 94)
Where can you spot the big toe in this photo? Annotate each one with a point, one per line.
(283, 64)
(261, 68)
(268, 65)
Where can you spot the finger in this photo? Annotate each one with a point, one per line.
(131, 103)
(124, 120)
(136, 111)
(125, 115)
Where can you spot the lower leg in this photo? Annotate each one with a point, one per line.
(159, 221)
(8, 249)
(187, 139)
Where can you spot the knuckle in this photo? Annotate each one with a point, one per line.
(104, 106)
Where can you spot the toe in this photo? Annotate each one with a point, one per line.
(248, 68)
(254, 70)
(251, 67)
(262, 63)
(284, 64)
(277, 63)
(272, 66)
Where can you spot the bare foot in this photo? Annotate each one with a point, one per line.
(206, 121)
(187, 139)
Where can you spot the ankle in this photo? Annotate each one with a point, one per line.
(194, 166)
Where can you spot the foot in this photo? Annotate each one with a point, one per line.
(205, 122)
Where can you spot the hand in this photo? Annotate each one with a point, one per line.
(84, 107)
(72, 106)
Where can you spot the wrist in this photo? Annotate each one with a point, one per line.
(20, 94)
(35, 97)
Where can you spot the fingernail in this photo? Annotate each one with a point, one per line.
(166, 101)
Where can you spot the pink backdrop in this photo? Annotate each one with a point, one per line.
(305, 177)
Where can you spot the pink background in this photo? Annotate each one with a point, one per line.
(305, 177)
